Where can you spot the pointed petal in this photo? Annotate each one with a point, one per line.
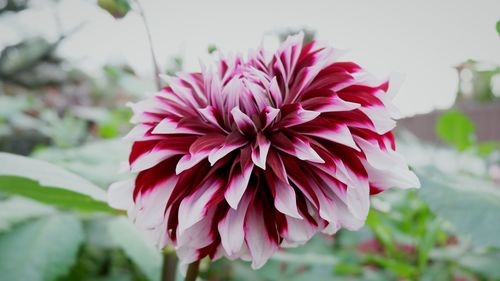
(298, 231)
(244, 124)
(285, 200)
(199, 150)
(260, 150)
(275, 92)
(299, 147)
(270, 114)
(193, 208)
(276, 165)
(120, 194)
(294, 114)
(324, 129)
(260, 244)
(170, 126)
(231, 228)
(238, 183)
(232, 142)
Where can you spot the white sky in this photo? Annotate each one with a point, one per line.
(422, 39)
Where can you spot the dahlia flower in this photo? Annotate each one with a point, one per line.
(251, 155)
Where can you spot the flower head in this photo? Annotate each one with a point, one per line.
(255, 154)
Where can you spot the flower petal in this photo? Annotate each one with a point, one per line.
(193, 208)
(238, 182)
(244, 124)
(231, 228)
(260, 150)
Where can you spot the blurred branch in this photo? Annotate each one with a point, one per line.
(22, 63)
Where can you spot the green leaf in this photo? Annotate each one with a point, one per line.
(49, 184)
(47, 174)
(488, 147)
(211, 48)
(117, 8)
(381, 231)
(97, 161)
(58, 197)
(135, 245)
(41, 250)
(427, 243)
(498, 27)
(484, 264)
(19, 209)
(470, 204)
(456, 129)
(398, 267)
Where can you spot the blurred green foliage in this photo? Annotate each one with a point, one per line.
(456, 129)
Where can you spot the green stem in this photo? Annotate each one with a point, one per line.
(192, 271)
(150, 40)
(169, 266)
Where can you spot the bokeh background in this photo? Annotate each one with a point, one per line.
(68, 68)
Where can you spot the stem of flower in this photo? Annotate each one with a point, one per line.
(169, 265)
(192, 271)
(150, 40)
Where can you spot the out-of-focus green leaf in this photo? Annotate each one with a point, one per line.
(456, 129)
(498, 27)
(41, 250)
(97, 161)
(117, 8)
(136, 246)
(398, 267)
(49, 184)
(427, 243)
(343, 268)
(18, 209)
(65, 132)
(58, 197)
(484, 264)
(103, 264)
(486, 148)
(435, 272)
(44, 174)
(381, 231)
(211, 48)
(471, 205)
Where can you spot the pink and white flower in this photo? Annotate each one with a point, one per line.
(255, 154)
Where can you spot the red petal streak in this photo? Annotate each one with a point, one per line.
(294, 114)
(276, 165)
(328, 130)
